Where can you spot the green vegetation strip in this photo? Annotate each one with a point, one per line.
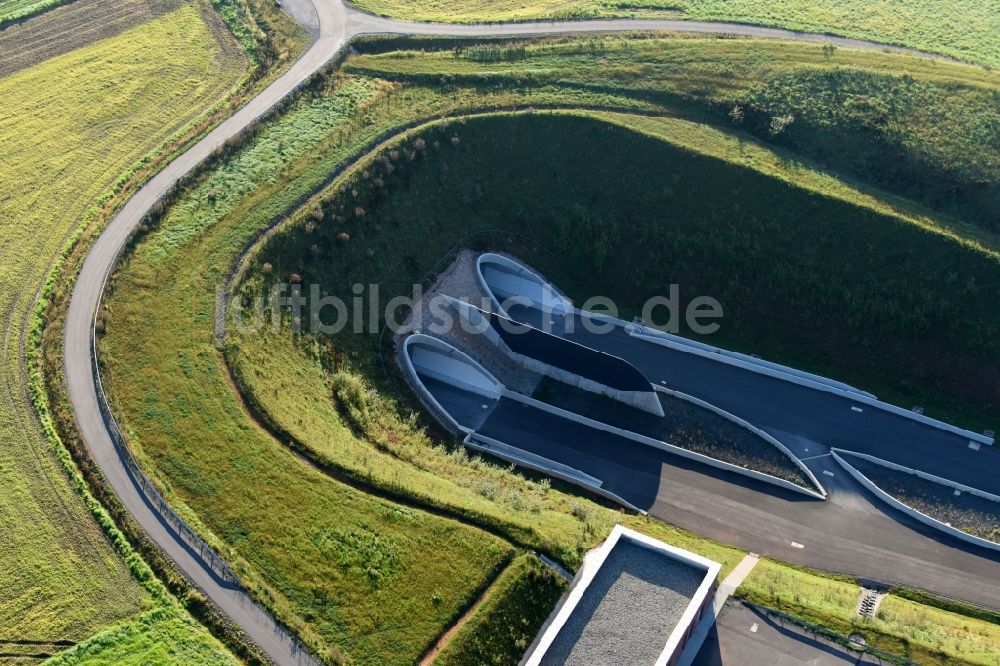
(166, 635)
(515, 608)
(965, 29)
(923, 633)
(12, 11)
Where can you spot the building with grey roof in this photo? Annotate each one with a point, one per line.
(635, 601)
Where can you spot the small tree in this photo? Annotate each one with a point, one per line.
(780, 123)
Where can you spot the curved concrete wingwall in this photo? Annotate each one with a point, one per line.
(749, 426)
(669, 448)
(828, 385)
(905, 508)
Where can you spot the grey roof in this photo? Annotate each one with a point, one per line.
(628, 611)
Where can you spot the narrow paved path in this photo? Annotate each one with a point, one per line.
(337, 24)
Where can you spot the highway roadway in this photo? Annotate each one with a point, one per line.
(851, 532)
(334, 25)
(806, 420)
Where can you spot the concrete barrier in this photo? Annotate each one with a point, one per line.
(923, 475)
(664, 446)
(905, 508)
(546, 291)
(537, 463)
(744, 361)
(749, 426)
(479, 322)
(863, 398)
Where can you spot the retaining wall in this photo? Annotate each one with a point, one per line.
(749, 426)
(663, 446)
(908, 510)
(863, 398)
(512, 454)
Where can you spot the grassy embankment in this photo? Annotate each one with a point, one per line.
(926, 634)
(347, 570)
(70, 127)
(179, 267)
(919, 128)
(964, 29)
(853, 99)
(500, 630)
(159, 346)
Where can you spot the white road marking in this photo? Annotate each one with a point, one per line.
(822, 455)
(796, 544)
(974, 446)
(828, 472)
(855, 408)
(753, 628)
(958, 493)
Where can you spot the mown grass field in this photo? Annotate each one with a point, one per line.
(964, 29)
(925, 634)
(69, 128)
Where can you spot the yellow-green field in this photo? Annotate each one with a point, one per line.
(965, 29)
(70, 127)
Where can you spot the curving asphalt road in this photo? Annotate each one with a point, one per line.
(335, 25)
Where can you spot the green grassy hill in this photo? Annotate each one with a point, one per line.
(660, 177)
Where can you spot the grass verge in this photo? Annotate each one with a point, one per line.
(964, 29)
(920, 632)
(515, 608)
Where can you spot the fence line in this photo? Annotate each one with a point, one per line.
(829, 634)
(218, 565)
(153, 496)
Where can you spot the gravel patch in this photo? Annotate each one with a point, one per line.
(970, 513)
(628, 611)
(459, 281)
